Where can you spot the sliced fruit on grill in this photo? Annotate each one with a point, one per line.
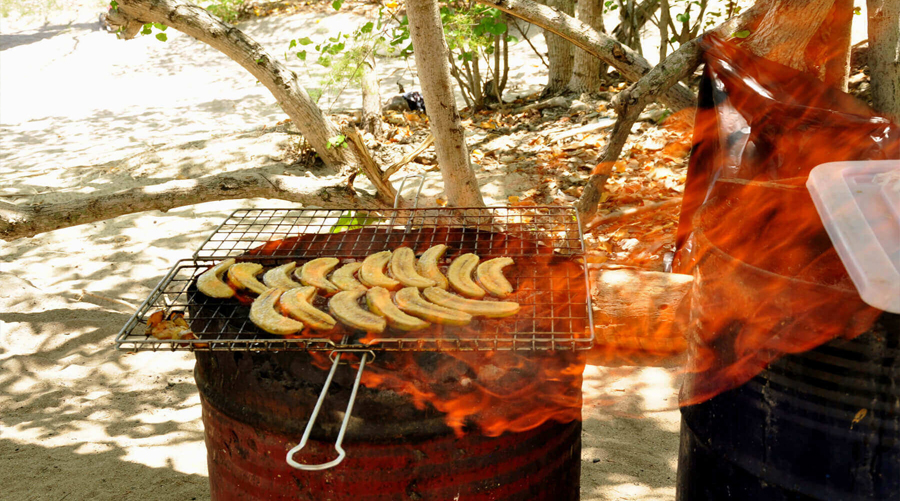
(280, 276)
(379, 301)
(476, 308)
(243, 276)
(345, 307)
(460, 276)
(267, 318)
(297, 303)
(403, 269)
(343, 277)
(428, 265)
(313, 273)
(489, 276)
(372, 272)
(410, 301)
(211, 283)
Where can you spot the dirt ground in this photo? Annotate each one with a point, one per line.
(81, 111)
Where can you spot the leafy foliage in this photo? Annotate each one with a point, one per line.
(227, 10)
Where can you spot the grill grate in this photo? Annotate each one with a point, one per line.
(550, 284)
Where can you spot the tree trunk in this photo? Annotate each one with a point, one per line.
(831, 45)
(431, 53)
(630, 64)
(642, 13)
(559, 52)
(786, 30)
(371, 97)
(281, 82)
(884, 55)
(586, 68)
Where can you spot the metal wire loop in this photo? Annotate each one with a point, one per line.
(315, 413)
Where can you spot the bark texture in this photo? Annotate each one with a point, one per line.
(630, 64)
(559, 52)
(586, 68)
(427, 33)
(18, 221)
(371, 97)
(786, 30)
(884, 55)
(281, 82)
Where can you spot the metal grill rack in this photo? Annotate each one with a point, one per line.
(555, 299)
(550, 285)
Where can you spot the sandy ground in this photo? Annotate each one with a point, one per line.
(80, 112)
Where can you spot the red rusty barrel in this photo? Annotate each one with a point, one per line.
(256, 405)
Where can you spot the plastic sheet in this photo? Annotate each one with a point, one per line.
(767, 279)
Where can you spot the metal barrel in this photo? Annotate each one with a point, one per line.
(256, 405)
(823, 424)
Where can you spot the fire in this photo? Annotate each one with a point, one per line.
(767, 281)
(489, 391)
(492, 392)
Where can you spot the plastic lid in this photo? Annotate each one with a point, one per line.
(859, 203)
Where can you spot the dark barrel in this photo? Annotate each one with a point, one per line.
(823, 424)
(256, 405)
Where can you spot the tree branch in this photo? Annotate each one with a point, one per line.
(629, 104)
(18, 221)
(281, 82)
(629, 63)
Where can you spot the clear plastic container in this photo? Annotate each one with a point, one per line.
(859, 203)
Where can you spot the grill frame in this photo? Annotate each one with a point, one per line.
(248, 229)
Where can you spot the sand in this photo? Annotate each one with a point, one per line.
(79, 112)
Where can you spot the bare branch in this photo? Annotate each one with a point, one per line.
(17, 221)
(628, 62)
(281, 82)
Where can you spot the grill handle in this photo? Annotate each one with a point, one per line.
(315, 413)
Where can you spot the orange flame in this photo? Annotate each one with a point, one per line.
(767, 280)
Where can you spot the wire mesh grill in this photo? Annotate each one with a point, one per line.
(549, 281)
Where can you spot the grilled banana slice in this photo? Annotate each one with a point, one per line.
(372, 272)
(313, 273)
(264, 315)
(281, 277)
(211, 283)
(428, 265)
(243, 276)
(403, 269)
(491, 309)
(297, 303)
(343, 277)
(344, 307)
(380, 303)
(489, 276)
(411, 302)
(460, 276)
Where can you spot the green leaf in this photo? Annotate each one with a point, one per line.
(304, 41)
(683, 17)
(161, 37)
(114, 5)
(337, 4)
(367, 28)
(741, 34)
(292, 44)
(160, 26)
(512, 39)
(147, 29)
(857, 11)
(302, 55)
(335, 141)
(498, 29)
